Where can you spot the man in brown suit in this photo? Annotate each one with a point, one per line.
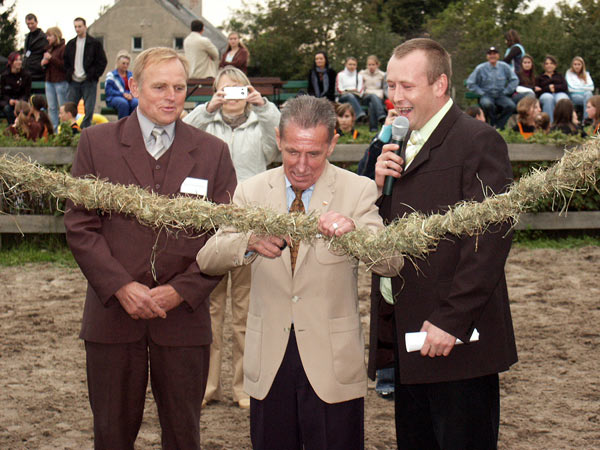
(147, 301)
(447, 396)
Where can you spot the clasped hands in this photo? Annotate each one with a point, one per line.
(330, 224)
(141, 302)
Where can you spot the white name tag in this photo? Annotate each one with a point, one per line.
(196, 186)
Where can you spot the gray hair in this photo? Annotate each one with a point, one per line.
(306, 112)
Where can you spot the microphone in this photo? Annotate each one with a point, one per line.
(399, 134)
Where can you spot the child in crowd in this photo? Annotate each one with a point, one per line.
(593, 111)
(24, 125)
(542, 122)
(67, 114)
(565, 118)
(39, 106)
(476, 112)
(528, 109)
(345, 120)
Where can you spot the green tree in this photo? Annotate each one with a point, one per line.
(8, 29)
(408, 17)
(284, 35)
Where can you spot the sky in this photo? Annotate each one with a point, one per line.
(61, 13)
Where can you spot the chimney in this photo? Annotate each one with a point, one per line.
(194, 5)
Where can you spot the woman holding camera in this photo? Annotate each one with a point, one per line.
(247, 125)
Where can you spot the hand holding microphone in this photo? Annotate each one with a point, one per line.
(400, 138)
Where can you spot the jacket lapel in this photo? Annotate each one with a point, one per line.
(277, 200)
(180, 161)
(435, 140)
(134, 151)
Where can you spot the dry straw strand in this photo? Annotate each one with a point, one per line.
(413, 235)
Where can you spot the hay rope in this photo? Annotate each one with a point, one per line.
(414, 235)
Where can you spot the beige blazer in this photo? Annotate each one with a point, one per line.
(320, 299)
(202, 55)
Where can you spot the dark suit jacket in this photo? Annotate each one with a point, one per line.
(461, 285)
(113, 249)
(94, 58)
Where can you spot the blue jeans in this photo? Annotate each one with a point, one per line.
(9, 113)
(86, 90)
(354, 102)
(384, 385)
(376, 110)
(549, 101)
(56, 94)
(505, 108)
(581, 100)
(123, 106)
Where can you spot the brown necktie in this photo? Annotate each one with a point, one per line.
(297, 206)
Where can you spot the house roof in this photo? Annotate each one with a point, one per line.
(185, 15)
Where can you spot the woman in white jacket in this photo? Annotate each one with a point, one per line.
(581, 85)
(247, 125)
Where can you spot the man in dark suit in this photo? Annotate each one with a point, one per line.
(147, 301)
(34, 48)
(447, 395)
(85, 62)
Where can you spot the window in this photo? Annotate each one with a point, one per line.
(137, 44)
(178, 43)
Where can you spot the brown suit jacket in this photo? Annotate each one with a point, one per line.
(113, 249)
(461, 285)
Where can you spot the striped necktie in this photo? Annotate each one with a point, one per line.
(159, 148)
(297, 206)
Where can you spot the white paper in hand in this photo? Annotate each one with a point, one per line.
(415, 341)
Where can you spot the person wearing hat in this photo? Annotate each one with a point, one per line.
(494, 81)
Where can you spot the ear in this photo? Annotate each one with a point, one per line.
(441, 85)
(332, 144)
(278, 138)
(134, 87)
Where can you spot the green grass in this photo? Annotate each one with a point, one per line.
(18, 250)
(556, 239)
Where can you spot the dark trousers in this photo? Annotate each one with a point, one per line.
(293, 417)
(117, 379)
(460, 415)
(86, 90)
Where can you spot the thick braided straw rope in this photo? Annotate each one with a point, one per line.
(414, 235)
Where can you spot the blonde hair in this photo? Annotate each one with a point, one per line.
(373, 58)
(154, 56)
(524, 106)
(55, 31)
(240, 43)
(122, 54)
(234, 74)
(581, 74)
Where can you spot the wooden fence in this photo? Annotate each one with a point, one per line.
(343, 153)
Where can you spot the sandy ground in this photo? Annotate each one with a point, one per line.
(550, 399)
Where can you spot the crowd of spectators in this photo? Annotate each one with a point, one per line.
(545, 102)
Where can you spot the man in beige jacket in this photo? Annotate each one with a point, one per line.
(201, 53)
(304, 357)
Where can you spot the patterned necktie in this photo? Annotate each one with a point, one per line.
(297, 206)
(159, 148)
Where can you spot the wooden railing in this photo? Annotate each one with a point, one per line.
(343, 153)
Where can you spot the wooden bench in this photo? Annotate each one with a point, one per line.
(105, 110)
(38, 87)
(200, 90)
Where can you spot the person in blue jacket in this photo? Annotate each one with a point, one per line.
(116, 88)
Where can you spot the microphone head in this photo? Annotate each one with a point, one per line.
(400, 127)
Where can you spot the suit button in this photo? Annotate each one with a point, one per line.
(158, 167)
(157, 186)
(295, 299)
